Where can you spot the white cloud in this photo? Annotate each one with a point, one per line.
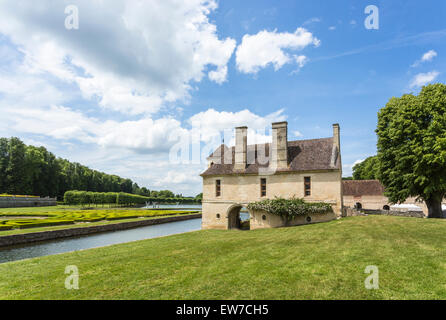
(297, 134)
(422, 79)
(176, 177)
(145, 135)
(219, 75)
(332, 28)
(428, 56)
(348, 168)
(212, 123)
(311, 21)
(301, 60)
(265, 48)
(126, 55)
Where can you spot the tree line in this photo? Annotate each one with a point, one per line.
(30, 170)
(118, 198)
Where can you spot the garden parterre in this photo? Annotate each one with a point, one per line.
(65, 217)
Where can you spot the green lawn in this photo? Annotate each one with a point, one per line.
(320, 261)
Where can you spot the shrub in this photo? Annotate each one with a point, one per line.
(290, 208)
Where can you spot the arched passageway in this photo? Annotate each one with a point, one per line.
(358, 205)
(238, 218)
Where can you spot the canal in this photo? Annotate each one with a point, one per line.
(46, 248)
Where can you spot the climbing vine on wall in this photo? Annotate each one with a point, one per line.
(290, 208)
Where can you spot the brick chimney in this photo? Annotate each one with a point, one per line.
(279, 146)
(241, 145)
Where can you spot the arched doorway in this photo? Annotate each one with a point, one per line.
(358, 205)
(386, 207)
(238, 217)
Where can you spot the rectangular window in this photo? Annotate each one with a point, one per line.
(263, 187)
(307, 186)
(217, 188)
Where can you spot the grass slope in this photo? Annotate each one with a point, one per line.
(321, 261)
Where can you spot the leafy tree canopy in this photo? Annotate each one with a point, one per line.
(367, 169)
(412, 147)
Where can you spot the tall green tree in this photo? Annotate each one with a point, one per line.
(36, 171)
(4, 160)
(412, 147)
(367, 169)
(16, 180)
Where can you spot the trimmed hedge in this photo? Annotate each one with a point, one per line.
(75, 197)
(290, 208)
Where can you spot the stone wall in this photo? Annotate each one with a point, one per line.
(377, 202)
(398, 213)
(240, 190)
(80, 231)
(262, 219)
(15, 202)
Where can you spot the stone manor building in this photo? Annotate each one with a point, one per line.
(237, 176)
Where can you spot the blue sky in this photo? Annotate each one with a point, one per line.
(117, 93)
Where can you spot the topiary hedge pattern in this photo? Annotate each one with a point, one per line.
(290, 208)
(55, 218)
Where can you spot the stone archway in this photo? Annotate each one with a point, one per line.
(234, 219)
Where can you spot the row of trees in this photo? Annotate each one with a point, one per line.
(75, 197)
(36, 171)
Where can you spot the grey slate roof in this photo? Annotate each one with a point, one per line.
(303, 155)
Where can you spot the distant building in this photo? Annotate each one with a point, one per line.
(369, 194)
(237, 176)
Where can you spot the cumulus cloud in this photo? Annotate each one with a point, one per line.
(219, 75)
(125, 55)
(428, 56)
(212, 124)
(144, 135)
(175, 177)
(422, 79)
(265, 48)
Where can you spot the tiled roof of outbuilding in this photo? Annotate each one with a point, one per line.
(362, 188)
(303, 155)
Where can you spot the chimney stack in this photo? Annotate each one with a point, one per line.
(279, 146)
(336, 136)
(241, 145)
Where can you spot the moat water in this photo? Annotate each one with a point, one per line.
(46, 248)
